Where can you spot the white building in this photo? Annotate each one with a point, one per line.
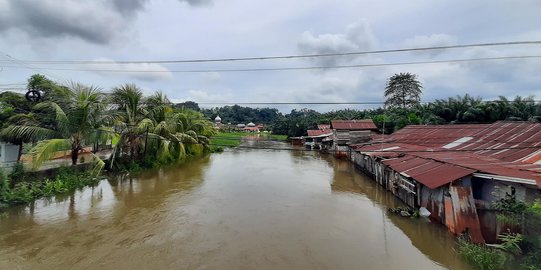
(8, 155)
(217, 122)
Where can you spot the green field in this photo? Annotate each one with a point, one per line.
(232, 139)
(228, 139)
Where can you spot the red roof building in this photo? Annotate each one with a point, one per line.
(365, 124)
(319, 132)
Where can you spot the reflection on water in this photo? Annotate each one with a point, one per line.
(241, 209)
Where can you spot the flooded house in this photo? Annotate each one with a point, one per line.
(457, 172)
(348, 132)
(315, 138)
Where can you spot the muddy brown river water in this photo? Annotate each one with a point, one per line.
(241, 209)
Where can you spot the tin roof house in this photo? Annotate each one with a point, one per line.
(348, 132)
(457, 172)
(352, 131)
(316, 137)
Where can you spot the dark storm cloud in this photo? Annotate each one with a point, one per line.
(197, 2)
(93, 21)
(129, 6)
(96, 21)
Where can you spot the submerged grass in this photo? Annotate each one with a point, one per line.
(14, 191)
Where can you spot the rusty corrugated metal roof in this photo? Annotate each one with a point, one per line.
(314, 133)
(508, 141)
(391, 146)
(488, 165)
(365, 124)
(444, 174)
(430, 173)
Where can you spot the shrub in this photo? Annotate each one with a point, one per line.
(17, 175)
(481, 256)
(66, 179)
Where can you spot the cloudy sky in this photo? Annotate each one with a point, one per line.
(116, 30)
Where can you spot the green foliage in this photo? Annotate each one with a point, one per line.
(297, 122)
(532, 260)
(14, 101)
(510, 210)
(66, 179)
(242, 115)
(188, 105)
(17, 174)
(453, 110)
(511, 242)
(4, 187)
(153, 131)
(403, 90)
(228, 139)
(535, 208)
(68, 120)
(481, 256)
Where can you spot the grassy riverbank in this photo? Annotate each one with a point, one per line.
(233, 139)
(20, 186)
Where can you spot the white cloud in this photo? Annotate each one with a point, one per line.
(357, 37)
(434, 40)
(202, 96)
(211, 77)
(155, 72)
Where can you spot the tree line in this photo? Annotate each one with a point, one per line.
(403, 107)
(453, 110)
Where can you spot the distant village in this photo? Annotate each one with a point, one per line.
(250, 127)
(456, 172)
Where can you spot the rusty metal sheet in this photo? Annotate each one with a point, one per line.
(465, 213)
(449, 214)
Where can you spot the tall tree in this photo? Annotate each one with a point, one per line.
(49, 89)
(403, 90)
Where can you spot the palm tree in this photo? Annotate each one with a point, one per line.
(129, 112)
(72, 126)
(150, 127)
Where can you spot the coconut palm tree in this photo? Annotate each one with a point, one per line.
(126, 117)
(72, 126)
(150, 127)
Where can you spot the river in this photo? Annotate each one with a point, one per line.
(240, 209)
